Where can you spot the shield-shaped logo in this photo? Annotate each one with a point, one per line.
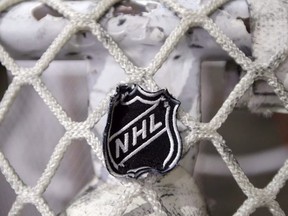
(141, 134)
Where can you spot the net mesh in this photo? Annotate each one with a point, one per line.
(256, 197)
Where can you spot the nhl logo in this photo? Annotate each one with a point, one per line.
(141, 134)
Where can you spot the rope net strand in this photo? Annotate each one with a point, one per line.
(144, 76)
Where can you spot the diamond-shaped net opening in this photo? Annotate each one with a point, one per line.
(79, 22)
(264, 138)
(214, 178)
(74, 79)
(177, 69)
(218, 79)
(262, 211)
(30, 210)
(74, 172)
(34, 141)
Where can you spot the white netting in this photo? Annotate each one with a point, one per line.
(144, 76)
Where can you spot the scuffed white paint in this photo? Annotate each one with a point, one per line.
(177, 191)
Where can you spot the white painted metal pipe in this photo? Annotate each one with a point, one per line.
(29, 28)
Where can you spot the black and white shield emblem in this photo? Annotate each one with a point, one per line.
(141, 134)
